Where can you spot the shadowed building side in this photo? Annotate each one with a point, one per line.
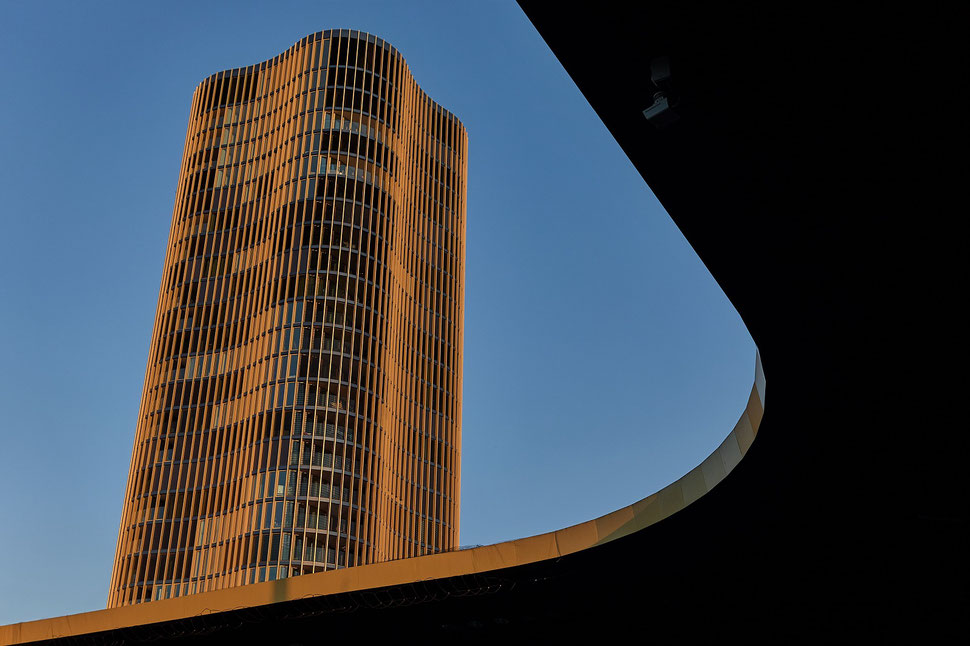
(302, 400)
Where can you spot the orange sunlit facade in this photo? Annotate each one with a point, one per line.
(302, 400)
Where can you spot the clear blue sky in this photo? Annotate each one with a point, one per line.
(602, 361)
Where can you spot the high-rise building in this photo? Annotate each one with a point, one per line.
(302, 400)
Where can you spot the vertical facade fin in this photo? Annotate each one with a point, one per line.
(302, 400)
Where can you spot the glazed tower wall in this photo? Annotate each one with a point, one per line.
(302, 399)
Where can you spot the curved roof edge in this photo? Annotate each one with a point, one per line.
(477, 560)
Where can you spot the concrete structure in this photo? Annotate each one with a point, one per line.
(302, 400)
(845, 519)
(355, 601)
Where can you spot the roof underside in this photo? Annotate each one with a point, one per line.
(780, 172)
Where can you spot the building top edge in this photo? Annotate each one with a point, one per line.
(320, 35)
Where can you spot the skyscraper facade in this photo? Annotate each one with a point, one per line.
(302, 399)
